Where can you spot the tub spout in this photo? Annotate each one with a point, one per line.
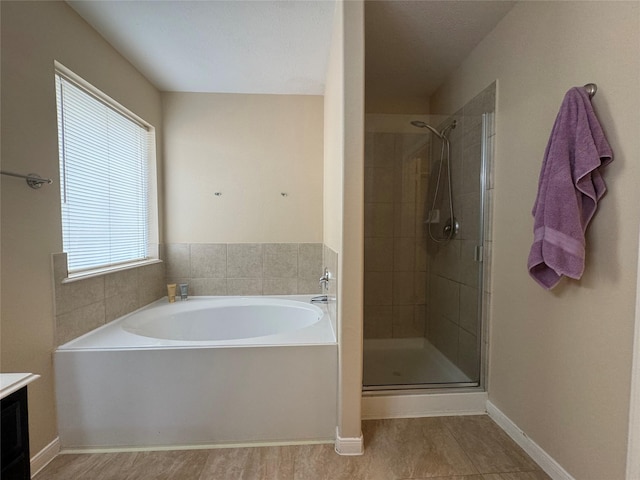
(320, 299)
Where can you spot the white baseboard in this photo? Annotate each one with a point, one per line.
(349, 445)
(423, 405)
(44, 456)
(542, 458)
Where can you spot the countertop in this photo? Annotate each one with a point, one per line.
(12, 382)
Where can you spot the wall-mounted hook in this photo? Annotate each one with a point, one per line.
(218, 194)
(284, 194)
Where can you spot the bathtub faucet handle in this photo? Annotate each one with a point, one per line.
(324, 279)
(184, 291)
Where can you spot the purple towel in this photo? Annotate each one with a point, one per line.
(569, 188)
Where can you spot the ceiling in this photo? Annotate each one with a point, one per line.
(282, 46)
(412, 46)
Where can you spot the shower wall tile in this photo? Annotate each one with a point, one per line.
(404, 288)
(382, 185)
(82, 305)
(206, 286)
(178, 259)
(404, 220)
(117, 306)
(79, 321)
(421, 255)
(379, 321)
(469, 216)
(244, 260)
(151, 284)
(251, 269)
(74, 295)
(279, 286)
(420, 287)
(469, 309)
(405, 322)
(310, 261)
(281, 260)
(446, 335)
(453, 266)
(445, 261)
(448, 292)
(379, 219)
(208, 260)
(244, 286)
(469, 268)
(121, 283)
(377, 254)
(404, 254)
(378, 288)
(369, 191)
(468, 354)
(384, 150)
(309, 286)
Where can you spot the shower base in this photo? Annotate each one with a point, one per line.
(406, 362)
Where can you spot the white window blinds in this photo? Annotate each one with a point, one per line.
(104, 157)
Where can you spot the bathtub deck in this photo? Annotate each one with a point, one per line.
(444, 447)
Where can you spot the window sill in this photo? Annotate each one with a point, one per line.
(98, 272)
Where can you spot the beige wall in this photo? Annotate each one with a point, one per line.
(250, 148)
(343, 197)
(34, 34)
(560, 361)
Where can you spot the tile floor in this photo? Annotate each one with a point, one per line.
(442, 448)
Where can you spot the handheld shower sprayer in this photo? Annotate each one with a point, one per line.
(451, 225)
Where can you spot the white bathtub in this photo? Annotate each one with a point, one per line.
(211, 370)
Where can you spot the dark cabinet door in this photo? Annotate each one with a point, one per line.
(14, 431)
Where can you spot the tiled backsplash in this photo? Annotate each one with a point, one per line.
(245, 268)
(83, 305)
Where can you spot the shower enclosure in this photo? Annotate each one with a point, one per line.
(428, 186)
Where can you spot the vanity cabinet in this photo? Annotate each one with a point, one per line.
(14, 426)
(15, 437)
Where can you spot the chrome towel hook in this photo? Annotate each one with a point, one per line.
(591, 88)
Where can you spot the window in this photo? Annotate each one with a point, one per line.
(104, 155)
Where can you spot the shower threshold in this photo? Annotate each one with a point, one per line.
(406, 363)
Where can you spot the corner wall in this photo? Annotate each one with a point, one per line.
(34, 34)
(343, 200)
(560, 361)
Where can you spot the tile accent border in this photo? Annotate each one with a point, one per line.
(546, 462)
(349, 446)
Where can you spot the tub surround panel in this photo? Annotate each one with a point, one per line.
(83, 305)
(260, 378)
(219, 407)
(245, 268)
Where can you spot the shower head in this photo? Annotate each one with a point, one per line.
(442, 134)
(420, 124)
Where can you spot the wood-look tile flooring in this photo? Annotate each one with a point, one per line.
(443, 448)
